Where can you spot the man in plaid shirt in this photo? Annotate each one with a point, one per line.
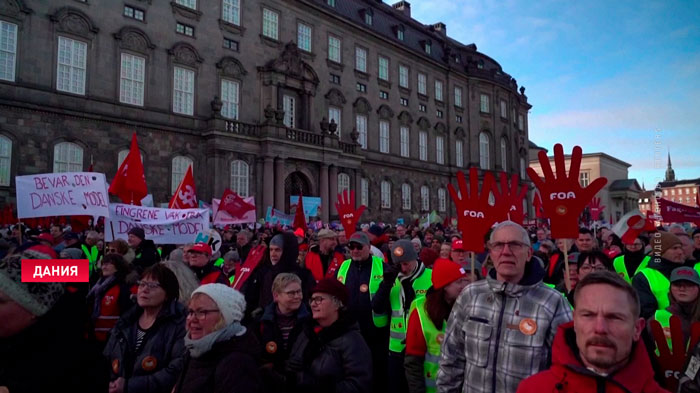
(501, 329)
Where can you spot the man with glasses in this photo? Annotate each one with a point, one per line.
(501, 329)
(199, 256)
(362, 275)
(632, 259)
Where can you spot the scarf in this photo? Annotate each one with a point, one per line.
(410, 277)
(98, 291)
(200, 347)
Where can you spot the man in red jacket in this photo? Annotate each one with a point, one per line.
(600, 351)
(322, 259)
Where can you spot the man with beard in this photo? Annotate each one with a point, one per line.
(243, 245)
(323, 259)
(632, 259)
(600, 350)
(362, 275)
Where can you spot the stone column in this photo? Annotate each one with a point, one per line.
(279, 184)
(333, 175)
(323, 188)
(268, 183)
(358, 188)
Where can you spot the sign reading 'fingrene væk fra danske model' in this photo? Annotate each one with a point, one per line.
(165, 226)
(62, 194)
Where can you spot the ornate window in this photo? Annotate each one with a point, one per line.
(131, 82)
(442, 200)
(438, 90)
(383, 68)
(424, 198)
(384, 136)
(5, 160)
(403, 76)
(343, 182)
(72, 64)
(406, 196)
(8, 50)
(239, 178)
(459, 153)
(484, 103)
(364, 192)
(183, 91)
(361, 127)
(179, 169)
(67, 157)
(484, 161)
(458, 97)
(229, 98)
(270, 24)
(304, 36)
(231, 11)
(422, 84)
(504, 154)
(440, 149)
(405, 142)
(334, 47)
(386, 195)
(423, 145)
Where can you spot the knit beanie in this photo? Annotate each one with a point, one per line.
(428, 256)
(663, 241)
(278, 241)
(230, 302)
(72, 253)
(332, 287)
(376, 230)
(445, 272)
(35, 297)
(138, 232)
(403, 251)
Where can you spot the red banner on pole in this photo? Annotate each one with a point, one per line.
(677, 212)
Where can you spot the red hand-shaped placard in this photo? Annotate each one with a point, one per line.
(349, 216)
(671, 360)
(563, 198)
(474, 214)
(511, 197)
(595, 208)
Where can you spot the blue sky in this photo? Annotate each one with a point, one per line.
(620, 77)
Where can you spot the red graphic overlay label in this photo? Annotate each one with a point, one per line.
(55, 270)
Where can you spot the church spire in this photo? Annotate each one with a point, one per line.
(670, 174)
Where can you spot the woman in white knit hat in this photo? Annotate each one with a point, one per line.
(222, 356)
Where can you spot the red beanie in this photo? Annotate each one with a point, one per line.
(333, 287)
(428, 256)
(445, 272)
(303, 247)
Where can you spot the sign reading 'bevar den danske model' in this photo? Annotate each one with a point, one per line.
(62, 194)
(164, 226)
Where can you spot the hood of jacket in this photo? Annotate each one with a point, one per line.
(534, 273)
(634, 376)
(663, 265)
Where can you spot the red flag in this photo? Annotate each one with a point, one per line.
(129, 184)
(678, 212)
(299, 217)
(80, 223)
(185, 196)
(234, 205)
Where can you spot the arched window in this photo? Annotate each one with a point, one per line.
(484, 161)
(239, 178)
(179, 168)
(386, 195)
(122, 156)
(406, 196)
(504, 154)
(442, 200)
(67, 157)
(343, 182)
(424, 198)
(5, 160)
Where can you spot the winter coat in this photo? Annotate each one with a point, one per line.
(258, 287)
(49, 355)
(314, 262)
(270, 333)
(569, 375)
(229, 366)
(336, 359)
(155, 367)
(647, 300)
(500, 333)
(210, 274)
(146, 255)
(103, 306)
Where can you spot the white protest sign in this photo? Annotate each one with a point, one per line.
(211, 237)
(163, 226)
(62, 194)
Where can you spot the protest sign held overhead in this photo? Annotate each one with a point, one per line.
(222, 217)
(166, 226)
(347, 212)
(563, 198)
(677, 212)
(512, 196)
(65, 194)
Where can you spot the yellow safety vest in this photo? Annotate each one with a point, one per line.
(376, 275)
(397, 328)
(433, 340)
(659, 285)
(619, 266)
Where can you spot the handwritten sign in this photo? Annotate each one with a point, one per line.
(163, 226)
(62, 194)
(211, 237)
(276, 217)
(223, 218)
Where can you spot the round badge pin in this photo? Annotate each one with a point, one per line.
(528, 326)
(440, 338)
(271, 347)
(363, 288)
(561, 210)
(149, 363)
(115, 366)
(341, 278)
(398, 251)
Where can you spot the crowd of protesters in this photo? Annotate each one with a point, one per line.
(389, 308)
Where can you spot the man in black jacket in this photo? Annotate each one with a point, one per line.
(145, 251)
(362, 275)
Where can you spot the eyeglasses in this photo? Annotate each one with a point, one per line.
(587, 268)
(513, 246)
(149, 285)
(199, 314)
(110, 250)
(316, 300)
(293, 293)
(355, 246)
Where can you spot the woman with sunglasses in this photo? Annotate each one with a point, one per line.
(330, 355)
(146, 347)
(221, 354)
